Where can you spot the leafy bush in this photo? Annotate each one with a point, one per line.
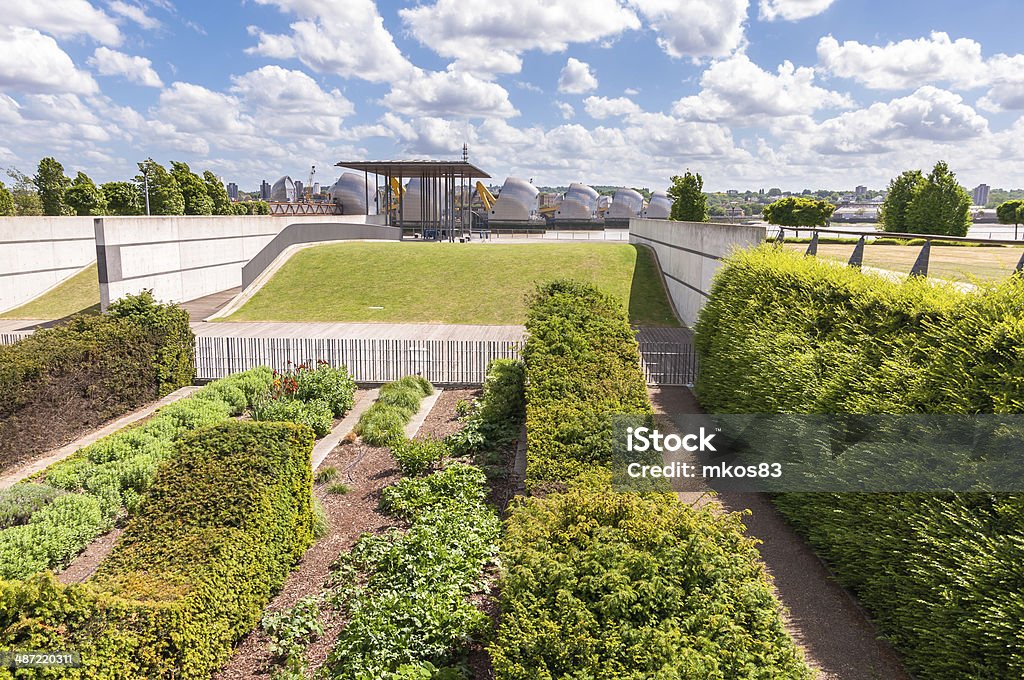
(495, 419)
(217, 535)
(616, 586)
(332, 385)
(113, 475)
(325, 474)
(64, 380)
(289, 632)
(782, 333)
(20, 502)
(384, 422)
(406, 595)
(417, 456)
(339, 489)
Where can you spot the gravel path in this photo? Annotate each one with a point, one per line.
(826, 622)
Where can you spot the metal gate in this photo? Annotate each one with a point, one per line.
(669, 363)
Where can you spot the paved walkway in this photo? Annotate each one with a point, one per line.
(824, 619)
(15, 475)
(323, 447)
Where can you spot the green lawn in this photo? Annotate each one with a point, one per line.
(954, 263)
(80, 293)
(450, 282)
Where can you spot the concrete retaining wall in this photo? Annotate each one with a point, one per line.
(184, 258)
(690, 254)
(37, 253)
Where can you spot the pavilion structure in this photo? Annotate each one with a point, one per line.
(428, 199)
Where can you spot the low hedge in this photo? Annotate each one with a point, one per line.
(397, 402)
(598, 584)
(619, 586)
(106, 478)
(192, 572)
(583, 367)
(940, 574)
(62, 381)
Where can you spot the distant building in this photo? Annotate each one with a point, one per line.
(316, 188)
(733, 192)
(860, 190)
(980, 194)
(233, 191)
(298, 189)
(265, 190)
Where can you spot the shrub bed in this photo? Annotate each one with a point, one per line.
(216, 536)
(106, 478)
(64, 380)
(940, 574)
(406, 594)
(604, 585)
(384, 422)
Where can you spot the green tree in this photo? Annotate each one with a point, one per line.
(795, 211)
(6, 202)
(689, 204)
(894, 214)
(941, 205)
(52, 185)
(84, 197)
(24, 194)
(165, 197)
(1009, 212)
(218, 194)
(193, 190)
(122, 198)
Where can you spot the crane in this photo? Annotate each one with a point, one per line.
(309, 187)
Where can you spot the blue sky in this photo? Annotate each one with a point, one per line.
(751, 93)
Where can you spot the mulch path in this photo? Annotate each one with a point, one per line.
(83, 566)
(825, 620)
(442, 421)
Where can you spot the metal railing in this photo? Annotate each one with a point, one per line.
(669, 363)
(920, 267)
(11, 338)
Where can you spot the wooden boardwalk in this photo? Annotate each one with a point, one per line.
(358, 331)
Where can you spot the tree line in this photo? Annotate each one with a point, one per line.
(177, 191)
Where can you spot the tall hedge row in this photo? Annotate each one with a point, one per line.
(216, 536)
(940, 574)
(603, 585)
(62, 381)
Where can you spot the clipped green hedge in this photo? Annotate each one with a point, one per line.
(940, 574)
(106, 478)
(583, 367)
(603, 585)
(62, 381)
(192, 572)
(618, 586)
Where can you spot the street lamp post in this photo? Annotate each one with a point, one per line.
(145, 180)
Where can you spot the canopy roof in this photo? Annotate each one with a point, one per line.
(427, 168)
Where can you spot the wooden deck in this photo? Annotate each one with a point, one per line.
(358, 331)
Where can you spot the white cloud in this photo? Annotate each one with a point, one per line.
(451, 93)
(566, 109)
(191, 108)
(738, 90)
(62, 18)
(134, 13)
(33, 62)
(286, 102)
(631, 91)
(343, 37)
(576, 77)
(792, 10)
(429, 136)
(108, 62)
(929, 114)
(906, 64)
(696, 28)
(486, 37)
(1006, 77)
(603, 107)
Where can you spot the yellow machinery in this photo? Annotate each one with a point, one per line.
(486, 197)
